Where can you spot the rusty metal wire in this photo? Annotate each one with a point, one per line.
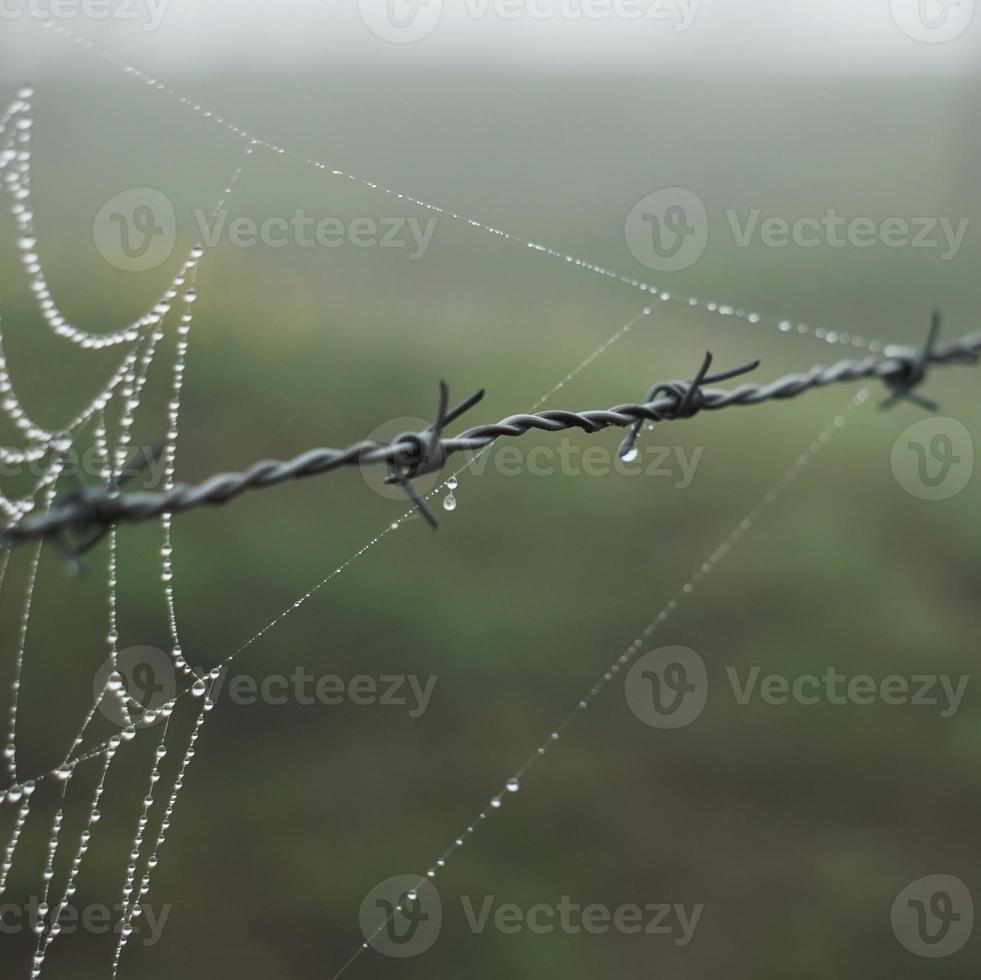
(78, 520)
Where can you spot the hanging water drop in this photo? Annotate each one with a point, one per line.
(452, 483)
(513, 785)
(450, 502)
(631, 454)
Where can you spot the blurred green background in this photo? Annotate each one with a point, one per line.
(795, 826)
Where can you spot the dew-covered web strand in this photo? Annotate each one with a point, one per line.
(16, 159)
(136, 850)
(18, 179)
(55, 928)
(47, 876)
(114, 688)
(47, 932)
(130, 377)
(513, 784)
(134, 906)
(173, 431)
(23, 628)
(132, 909)
(726, 310)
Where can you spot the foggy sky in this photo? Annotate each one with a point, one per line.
(756, 36)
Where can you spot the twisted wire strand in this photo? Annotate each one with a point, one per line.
(104, 507)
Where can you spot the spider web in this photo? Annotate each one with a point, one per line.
(106, 423)
(119, 400)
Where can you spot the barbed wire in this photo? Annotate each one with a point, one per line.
(78, 520)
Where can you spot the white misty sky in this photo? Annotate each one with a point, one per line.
(822, 36)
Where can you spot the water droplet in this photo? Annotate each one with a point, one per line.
(631, 454)
(450, 502)
(496, 803)
(513, 785)
(198, 689)
(452, 483)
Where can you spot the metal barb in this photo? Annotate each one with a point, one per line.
(424, 451)
(914, 370)
(688, 395)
